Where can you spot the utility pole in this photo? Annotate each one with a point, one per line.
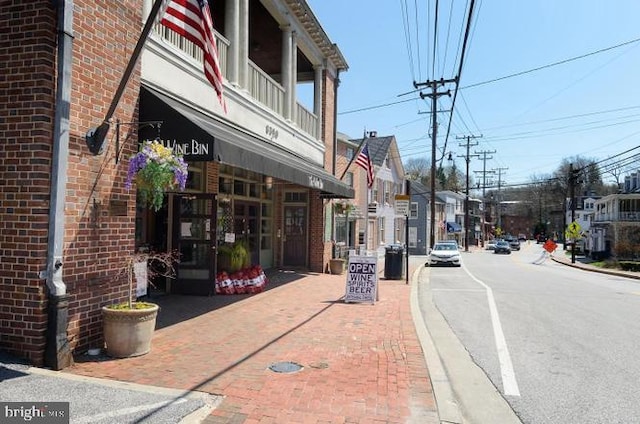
(484, 172)
(499, 171)
(434, 124)
(467, 158)
(573, 180)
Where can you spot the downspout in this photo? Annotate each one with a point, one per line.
(334, 156)
(57, 350)
(335, 121)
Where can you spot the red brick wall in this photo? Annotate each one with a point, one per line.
(321, 251)
(95, 237)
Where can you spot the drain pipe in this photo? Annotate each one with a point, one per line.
(57, 350)
(336, 84)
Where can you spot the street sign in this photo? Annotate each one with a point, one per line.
(402, 204)
(549, 246)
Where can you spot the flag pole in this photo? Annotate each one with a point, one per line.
(95, 136)
(357, 152)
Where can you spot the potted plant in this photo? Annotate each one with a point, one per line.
(155, 170)
(128, 326)
(233, 257)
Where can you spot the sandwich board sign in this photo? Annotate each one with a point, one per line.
(362, 279)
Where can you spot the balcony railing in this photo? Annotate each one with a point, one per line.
(265, 89)
(186, 46)
(262, 87)
(620, 216)
(307, 121)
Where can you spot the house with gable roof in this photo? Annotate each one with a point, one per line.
(383, 226)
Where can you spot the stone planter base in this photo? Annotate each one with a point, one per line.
(128, 332)
(337, 266)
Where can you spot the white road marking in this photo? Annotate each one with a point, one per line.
(509, 382)
(126, 411)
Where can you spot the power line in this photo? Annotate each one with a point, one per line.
(500, 78)
(459, 75)
(561, 62)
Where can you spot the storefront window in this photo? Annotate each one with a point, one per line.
(239, 188)
(266, 223)
(224, 185)
(195, 178)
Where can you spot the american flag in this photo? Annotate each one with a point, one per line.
(364, 160)
(192, 20)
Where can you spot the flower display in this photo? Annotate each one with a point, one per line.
(156, 169)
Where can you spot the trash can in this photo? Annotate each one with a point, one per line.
(393, 263)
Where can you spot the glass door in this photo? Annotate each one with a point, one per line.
(194, 236)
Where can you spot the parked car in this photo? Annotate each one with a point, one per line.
(455, 242)
(444, 254)
(514, 244)
(502, 247)
(491, 244)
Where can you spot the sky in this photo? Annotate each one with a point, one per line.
(587, 107)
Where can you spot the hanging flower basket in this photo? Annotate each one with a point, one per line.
(156, 169)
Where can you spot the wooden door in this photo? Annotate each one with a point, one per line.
(295, 235)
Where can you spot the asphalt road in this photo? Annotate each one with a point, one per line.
(94, 401)
(557, 343)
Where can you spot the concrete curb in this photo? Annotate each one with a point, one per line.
(447, 406)
(627, 274)
(464, 393)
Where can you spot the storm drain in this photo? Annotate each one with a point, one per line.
(285, 367)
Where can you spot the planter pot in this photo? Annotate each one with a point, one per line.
(128, 332)
(336, 266)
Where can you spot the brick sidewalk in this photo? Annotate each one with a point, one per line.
(362, 363)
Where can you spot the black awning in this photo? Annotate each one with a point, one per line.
(186, 126)
(453, 227)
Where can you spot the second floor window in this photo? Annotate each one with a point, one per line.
(413, 210)
(349, 153)
(348, 179)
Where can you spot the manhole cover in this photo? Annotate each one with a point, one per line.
(285, 367)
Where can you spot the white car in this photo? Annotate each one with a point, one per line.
(491, 244)
(444, 254)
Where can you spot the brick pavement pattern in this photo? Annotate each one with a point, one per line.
(362, 363)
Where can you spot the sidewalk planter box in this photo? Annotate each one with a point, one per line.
(128, 332)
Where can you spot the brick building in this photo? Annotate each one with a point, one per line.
(66, 220)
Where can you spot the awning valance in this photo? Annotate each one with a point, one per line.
(453, 227)
(187, 126)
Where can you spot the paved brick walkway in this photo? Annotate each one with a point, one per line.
(362, 363)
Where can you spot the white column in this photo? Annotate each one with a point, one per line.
(317, 98)
(146, 8)
(243, 45)
(294, 76)
(232, 25)
(286, 67)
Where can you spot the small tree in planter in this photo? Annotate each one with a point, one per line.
(128, 326)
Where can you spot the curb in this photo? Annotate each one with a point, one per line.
(583, 267)
(448, 410)
(464, 394)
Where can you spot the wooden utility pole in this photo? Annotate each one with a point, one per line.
(434, 131)
(467, 158)
(499, 215)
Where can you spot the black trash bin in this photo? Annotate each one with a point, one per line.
(393, 262)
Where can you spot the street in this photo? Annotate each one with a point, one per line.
(558, 343)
